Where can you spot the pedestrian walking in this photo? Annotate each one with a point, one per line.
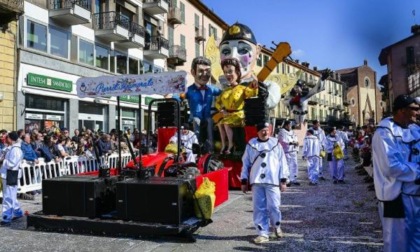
(265, 169)
(289, 141)
(320, 134)
(332, 141)
(10, 175)
(311, 153)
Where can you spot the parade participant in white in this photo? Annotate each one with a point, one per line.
(265, 168)
(391, 148)
(311, 150)
(411, 195)
(335, 165)
(10, 174)
(289, 142)
(188, 138)
(341, 133)
(320, 134)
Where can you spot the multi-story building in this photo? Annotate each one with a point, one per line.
(188, 34)
(9, 13)
(403, 67)
(362, 94)
(64, 40)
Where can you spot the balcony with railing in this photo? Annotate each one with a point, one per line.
(111, 26)
(200, 33)
(177, 56)
(155, 7)
(136, 37)
(157, 47)
(174, 16)
(70, 12)
(12, 7)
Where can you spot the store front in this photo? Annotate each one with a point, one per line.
(93, 116)
(44, 113)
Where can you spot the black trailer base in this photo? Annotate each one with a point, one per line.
(112, 227)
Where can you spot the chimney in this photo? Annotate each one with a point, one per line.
(315, 68)
(365, 62)
(305, 64)
(415, 29)
(297, 61)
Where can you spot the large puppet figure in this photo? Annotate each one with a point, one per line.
(297, 101)
(231, 103)
(239, 42)
(200, 96)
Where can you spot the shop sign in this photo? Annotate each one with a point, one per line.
(37, 80)
(34, 116)
(53, 117)
(130, 98)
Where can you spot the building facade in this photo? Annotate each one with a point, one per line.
(10, 10)
(62, 41)
(362, 94)
(403, 67)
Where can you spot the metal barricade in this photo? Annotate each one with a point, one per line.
(33, 174)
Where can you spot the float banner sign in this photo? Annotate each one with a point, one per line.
(151, 83)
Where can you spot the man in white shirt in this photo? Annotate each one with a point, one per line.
(289, 142)
(188, 138)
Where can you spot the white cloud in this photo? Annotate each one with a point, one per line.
(298, 53)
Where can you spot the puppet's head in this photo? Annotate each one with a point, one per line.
(239, 42)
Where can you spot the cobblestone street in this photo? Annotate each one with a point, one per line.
(326, 217)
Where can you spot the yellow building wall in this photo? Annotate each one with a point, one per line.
(8, 77)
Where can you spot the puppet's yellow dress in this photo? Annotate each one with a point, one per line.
(231, 100)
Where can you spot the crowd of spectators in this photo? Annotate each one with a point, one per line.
(58, 144)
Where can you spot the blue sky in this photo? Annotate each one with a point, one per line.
(331, 34)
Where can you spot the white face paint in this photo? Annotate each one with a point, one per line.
(245, 52)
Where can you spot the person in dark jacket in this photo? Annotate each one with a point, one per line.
(104, 145)
(28, 152)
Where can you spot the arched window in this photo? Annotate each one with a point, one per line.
(367, 82)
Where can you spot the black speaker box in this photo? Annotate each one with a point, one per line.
(82, 196)
(156, 200)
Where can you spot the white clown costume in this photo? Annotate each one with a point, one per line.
(411, 197)
(394, 175)
(12, 160)
(311, 150)
(320, 134)
(336, 166)
(265, 167)
(187, 140)
(287, 140)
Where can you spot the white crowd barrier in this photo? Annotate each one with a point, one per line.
(33, 174)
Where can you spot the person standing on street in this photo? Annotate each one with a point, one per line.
(265, 169)
(395, 168)
(311, 150)
(289, 142)
(332, 141)
(320, 134)
(10, 173)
